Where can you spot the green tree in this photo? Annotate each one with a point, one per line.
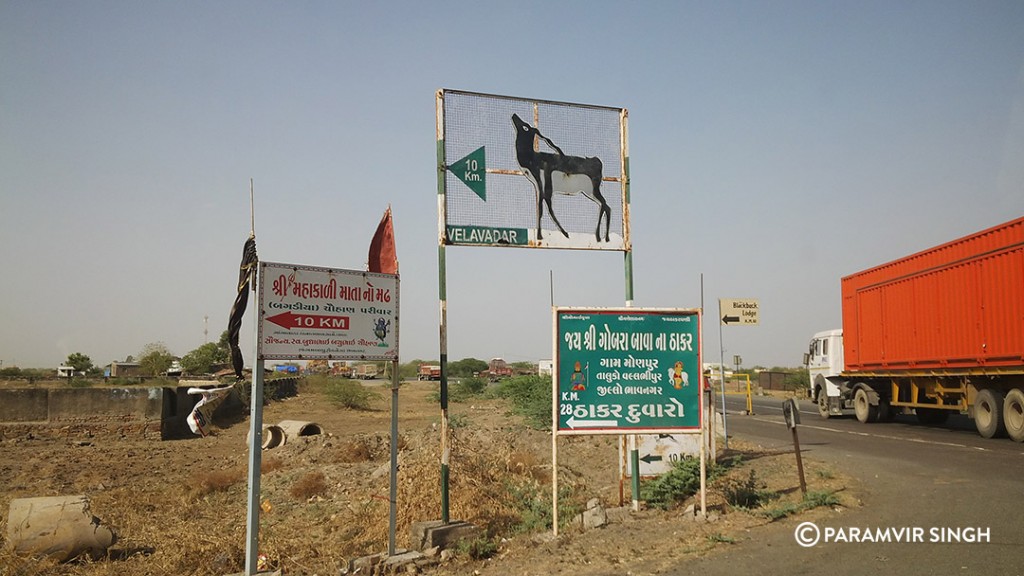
(80, 362)
(466, 367)
(202, 359)
(155, 359)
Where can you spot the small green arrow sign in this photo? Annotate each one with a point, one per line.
(472, 171)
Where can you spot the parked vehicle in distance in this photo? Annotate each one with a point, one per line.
(365, 372)
(429, 372)
(935, 333)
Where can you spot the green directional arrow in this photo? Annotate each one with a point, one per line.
(472, 171)
(648, 458)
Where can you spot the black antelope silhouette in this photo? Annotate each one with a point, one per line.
(557, 172)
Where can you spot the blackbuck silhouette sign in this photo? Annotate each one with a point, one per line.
(532, 173)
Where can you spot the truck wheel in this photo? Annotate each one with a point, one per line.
(823, 404)
(885, 410)
(863, 408)
(988, 412)
(1013, 414)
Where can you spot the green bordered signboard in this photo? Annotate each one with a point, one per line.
(627, 370)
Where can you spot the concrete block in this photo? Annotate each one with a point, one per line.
(593, 518)
(399, 560)
(431, 533)
(365, 564)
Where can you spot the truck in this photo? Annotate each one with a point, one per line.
(365, 372)
(429, 372)
(935, 333)
(497, 369)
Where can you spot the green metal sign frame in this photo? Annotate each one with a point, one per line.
(627, 370)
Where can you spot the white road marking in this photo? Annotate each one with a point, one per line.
(872, 435)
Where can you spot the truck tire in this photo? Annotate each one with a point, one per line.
(862, 407)
(1013, 414)
(823, 404)
(885, 410)
(988, 413)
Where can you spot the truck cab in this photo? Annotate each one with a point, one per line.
(824, 360)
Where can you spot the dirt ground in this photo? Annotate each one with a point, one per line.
(179, 507)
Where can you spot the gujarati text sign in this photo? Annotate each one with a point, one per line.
(308, 312)
(619, 371)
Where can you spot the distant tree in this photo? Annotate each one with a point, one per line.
(524, 367)
(155, 359)
(202, 359)
(10, 372)
(466, 367)
(80, 362)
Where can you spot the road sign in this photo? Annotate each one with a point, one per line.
(556, 173)
(619, 371)
(791, 412)
(736, 311)
(321, 313)
(660, 452)
(473, 171)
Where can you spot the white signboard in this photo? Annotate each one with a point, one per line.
(308, 312)
(659, 452)
(532, 173)
(739, 311)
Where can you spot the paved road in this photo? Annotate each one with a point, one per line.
(913, 476)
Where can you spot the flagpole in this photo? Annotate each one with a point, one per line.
(252, 529)
(252, 211)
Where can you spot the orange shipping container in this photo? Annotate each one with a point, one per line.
(955, 306)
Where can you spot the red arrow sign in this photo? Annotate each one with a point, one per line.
(289, 321)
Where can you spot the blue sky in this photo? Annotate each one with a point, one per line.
(774, 148)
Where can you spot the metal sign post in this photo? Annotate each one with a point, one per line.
(733, 311)
(306, 313)
(393, 493)
(791, 412)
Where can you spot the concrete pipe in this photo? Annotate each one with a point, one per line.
(60, 527)
(296, 428)
(273, 436)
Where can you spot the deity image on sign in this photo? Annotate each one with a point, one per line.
(578, 380)
(677, 376)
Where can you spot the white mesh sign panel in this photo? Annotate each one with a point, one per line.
(533, 173)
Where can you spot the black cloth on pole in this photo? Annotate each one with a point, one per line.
(245, 272)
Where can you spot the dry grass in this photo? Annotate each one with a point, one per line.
(310, 485)
(206, 483)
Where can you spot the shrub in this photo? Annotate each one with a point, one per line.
(530, 397)
(310, 485)
(681, 482)
(534, 506)
(342, 391)
(749, 493)
(205, 483)
(467, 388)
(810, 500)
(478, 548)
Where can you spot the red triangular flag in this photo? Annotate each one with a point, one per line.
(382, 248)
